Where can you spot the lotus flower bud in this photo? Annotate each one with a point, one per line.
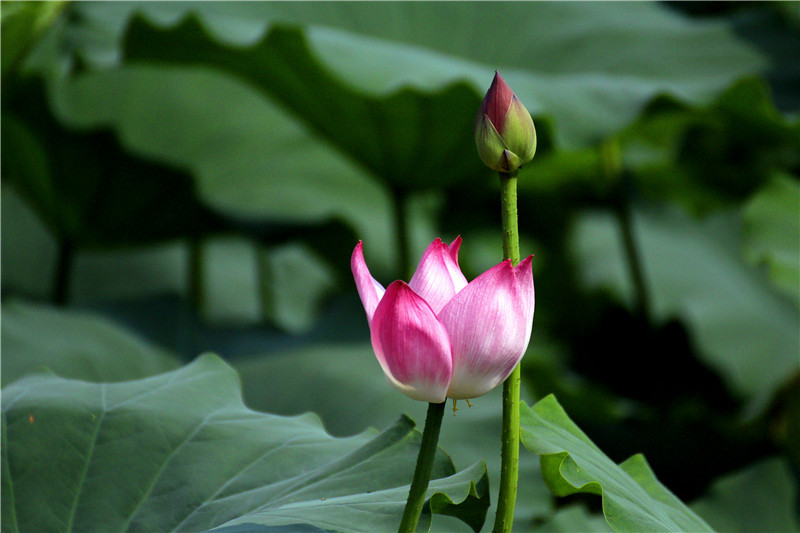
(504, 132)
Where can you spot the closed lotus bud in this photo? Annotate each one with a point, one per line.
(504, 132)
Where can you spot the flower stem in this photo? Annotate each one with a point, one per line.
(509, 453)
(508, 202)
(422, 473)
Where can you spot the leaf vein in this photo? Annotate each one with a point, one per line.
(90, 453)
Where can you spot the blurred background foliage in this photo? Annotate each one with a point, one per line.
(188, 177)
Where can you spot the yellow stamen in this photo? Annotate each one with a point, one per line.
(468, 404)
(454, 406)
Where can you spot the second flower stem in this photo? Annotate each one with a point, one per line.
(509, 453)
(422, 472)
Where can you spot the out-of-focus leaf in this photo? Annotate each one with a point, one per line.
(74, 345)
(707, 156)
(30, 249)
(130, 273)
(694, 270)
(84, 186)
(592, 84)
(345, 386)
(243, 284)
(296, 280)
(701, 156)
(180, 452)
(772, 233)
(572, 519)
(756, 499)
(407, 139)
(633, 499)
(251, 161)
(336, 99)
(776, 32)
(230, 294)
(22, 24)
(554, 169)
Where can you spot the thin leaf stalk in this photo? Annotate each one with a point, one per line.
(62, 276)
(422, 472)
(509, 452)
(613, 173)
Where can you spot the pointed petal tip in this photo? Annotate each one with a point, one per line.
(358, 252)
(526, 263)
(369, 290)
(397, 286)
(500, 82)
(438, 277)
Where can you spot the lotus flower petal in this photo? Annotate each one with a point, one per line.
(489, 325)
(520, 133)
(411, 345)
(453, 249)
(369, 289)
(438, 277)
(496, 102)
(489, 143)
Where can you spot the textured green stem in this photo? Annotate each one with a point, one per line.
(422, 473)
(509, 453)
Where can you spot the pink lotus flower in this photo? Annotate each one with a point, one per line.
(439, 337)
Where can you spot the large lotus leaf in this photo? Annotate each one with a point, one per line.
(408, 139)
(694, 270)
(74, 345)
(345, 386)
(772, 235)
(84, 186)
(249, 158)
(633, 499)
(592, 82)
(756, 499)
(180, 452)
(334, 95)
